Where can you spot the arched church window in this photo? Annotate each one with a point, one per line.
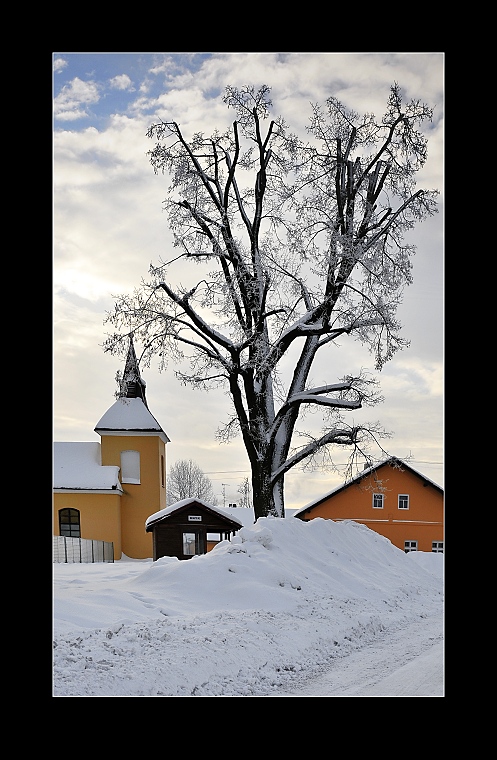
(69, 523)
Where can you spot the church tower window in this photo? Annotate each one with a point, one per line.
(130, 466)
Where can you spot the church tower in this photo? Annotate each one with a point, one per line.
(133, 440)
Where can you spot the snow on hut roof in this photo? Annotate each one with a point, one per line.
(78, 466)
(129, 415)
(184, 503)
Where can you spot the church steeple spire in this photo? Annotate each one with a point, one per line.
(132, 384)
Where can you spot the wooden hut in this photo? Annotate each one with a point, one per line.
(189, 527)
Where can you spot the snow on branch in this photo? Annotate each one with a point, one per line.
(337, 436)
(197, 320)
(308, 398)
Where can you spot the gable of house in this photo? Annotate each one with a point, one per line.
(392, 499)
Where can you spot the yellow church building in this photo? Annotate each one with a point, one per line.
(106, 490)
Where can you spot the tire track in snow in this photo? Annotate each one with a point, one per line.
(406, 662)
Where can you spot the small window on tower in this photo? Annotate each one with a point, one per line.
(130, 467)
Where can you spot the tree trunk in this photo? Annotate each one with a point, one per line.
(279, 497)
(264, 503)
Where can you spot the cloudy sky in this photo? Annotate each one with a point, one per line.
(109, 226)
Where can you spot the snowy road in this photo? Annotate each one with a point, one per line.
(404, 663)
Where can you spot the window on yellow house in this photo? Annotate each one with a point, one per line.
(130, 466)
(377, 501)
(69, 523)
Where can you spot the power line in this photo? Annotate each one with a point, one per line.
(342, 464)
(421, 461)
(221, 472)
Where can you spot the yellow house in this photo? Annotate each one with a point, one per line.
(391, 498)
(106, 491)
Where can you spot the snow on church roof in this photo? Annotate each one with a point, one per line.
(129, 414)
(77, 466)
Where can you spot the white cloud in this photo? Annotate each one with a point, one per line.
(413, 376)
(59, 64)
(69, 103)
(121, 82)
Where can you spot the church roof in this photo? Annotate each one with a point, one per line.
(132, 383)
(129, 415)
(78, 467)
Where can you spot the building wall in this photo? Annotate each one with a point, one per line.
(100, 516)
(138, 501)
(422, 522)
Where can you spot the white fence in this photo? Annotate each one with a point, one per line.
(67, 549)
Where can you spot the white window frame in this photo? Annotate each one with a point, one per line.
(193, 543)
(437, 547)
(378, 497)
(130, 466)
(410, 546)
(189, 543)
(403, 496)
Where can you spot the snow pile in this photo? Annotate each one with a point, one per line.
(284, 596)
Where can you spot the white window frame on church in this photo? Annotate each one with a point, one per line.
(130, 466)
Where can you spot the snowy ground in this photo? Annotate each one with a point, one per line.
(286, 608)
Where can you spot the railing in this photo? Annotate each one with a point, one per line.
(68, 549)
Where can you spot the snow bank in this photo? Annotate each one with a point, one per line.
(283, 595)
(431, 561)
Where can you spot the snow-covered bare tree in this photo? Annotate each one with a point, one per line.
(299, 243)
(186, 480)
(244, 490)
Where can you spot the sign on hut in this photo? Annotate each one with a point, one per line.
(189, 527)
